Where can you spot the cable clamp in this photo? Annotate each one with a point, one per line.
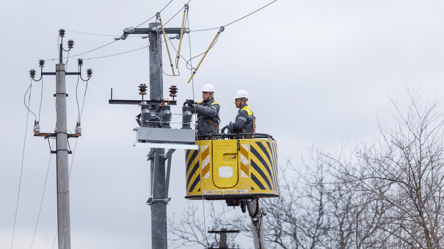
(222, 28)
(55, 94)
(151, 201)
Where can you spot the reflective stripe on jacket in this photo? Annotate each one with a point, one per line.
(244, 120)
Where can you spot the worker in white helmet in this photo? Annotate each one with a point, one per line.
(245, 120)
(207, 112)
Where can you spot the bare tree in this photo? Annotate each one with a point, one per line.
(389, 194)
(190, 230)
(404, 172)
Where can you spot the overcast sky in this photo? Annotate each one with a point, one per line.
(318, 72)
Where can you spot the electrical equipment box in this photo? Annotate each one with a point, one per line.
(224, 169)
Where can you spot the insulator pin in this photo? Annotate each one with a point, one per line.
(78, 129)
(142, 89)
(70, 44)
(173, 91)
(36, 127)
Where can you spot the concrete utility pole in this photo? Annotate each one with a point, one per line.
(62, 150)
(63, 214)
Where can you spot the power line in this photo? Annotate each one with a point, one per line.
(177, 13)
(89, 50)
(116, 54)
(154, 15)
(41, 100)
(21, 167)
(250, 13)
(43, 195)
(237, 19)
(85, 33)
(24, 99)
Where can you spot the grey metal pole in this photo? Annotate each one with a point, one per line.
(158, 207)
(156, 76)
(63, 214)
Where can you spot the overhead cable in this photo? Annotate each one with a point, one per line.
(85, 33)
(177, 12)
(41, 100)
(237, 19)
(93, 58)
(155, 15)
(88, 51)
(43, 195)
(21, 167)
(24, 99)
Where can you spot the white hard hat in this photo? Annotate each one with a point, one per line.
(208, 88)
(241, 94)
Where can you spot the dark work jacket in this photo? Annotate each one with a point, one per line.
(207, 110)
(244, 120)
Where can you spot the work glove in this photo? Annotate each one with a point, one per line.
(189, 102)
(223, 129)
(230, 127)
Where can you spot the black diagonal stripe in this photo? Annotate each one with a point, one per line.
(195, 183)
(190, 162)
(275, 162)
(274, 165)
(258, 183)
(265, 151)
(252, 188)
(266, 166)
(258, 169)
(192, 173)
(187, 154)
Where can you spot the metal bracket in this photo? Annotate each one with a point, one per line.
(151, 200)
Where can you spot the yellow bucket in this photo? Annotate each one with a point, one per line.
(232, 168)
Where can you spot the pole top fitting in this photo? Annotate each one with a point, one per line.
(62, 32)
(142, 89)
(32, 73)
(80, 62)
(186, 6)
(70, 44)
(89, 72)
(222, 28)
(41, 63)
(158, 15)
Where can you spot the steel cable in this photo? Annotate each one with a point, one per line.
(195, 117)
(43, 195)
(21, 167)
(155, 15)
(41, 100)
(237, 19)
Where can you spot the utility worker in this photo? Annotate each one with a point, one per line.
(207, 112)
(245, 120)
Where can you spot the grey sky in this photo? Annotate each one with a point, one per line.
(318, 72)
